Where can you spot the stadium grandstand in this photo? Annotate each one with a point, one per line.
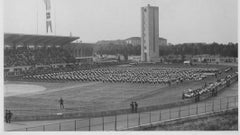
(25, 52)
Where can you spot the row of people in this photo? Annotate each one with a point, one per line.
(127, 75)
(212, 87)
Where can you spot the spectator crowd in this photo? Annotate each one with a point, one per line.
(24, 56)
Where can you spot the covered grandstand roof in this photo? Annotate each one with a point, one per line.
(10, 38)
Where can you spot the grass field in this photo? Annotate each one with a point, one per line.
(98, 96)
(222, 121)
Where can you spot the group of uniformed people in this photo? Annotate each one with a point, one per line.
(212, 87)
(128, 75)
(8, 116)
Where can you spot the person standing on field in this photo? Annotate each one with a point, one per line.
(61, 103)
(6, 116)
(136, 106)
(132, 106)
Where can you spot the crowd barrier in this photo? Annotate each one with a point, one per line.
(129, 120)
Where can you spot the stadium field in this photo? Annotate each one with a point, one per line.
(96, 96)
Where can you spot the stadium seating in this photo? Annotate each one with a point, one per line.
(42, 56)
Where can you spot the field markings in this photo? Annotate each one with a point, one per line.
(59, 89)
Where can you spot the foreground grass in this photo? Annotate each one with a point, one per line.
(222, 121)
(97, 96)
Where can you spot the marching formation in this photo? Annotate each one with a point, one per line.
(156, 75)
(211, 88)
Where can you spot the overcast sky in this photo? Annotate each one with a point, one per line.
(92, 20)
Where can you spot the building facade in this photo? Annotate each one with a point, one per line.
(150, 34)
(213, 59)
(113, 42)
(162, 41)
(82, 52)
(134, 41)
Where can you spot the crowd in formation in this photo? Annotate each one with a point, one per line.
(153, 75)
(209, 88)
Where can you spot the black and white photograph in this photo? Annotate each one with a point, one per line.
(119, 65)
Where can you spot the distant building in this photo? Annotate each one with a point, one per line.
(173, 58)
(134, 58)
(113, 42)
(195, 43)
(150, 34)
(229, 59)
(169, 44)
(212, 59)
(108, 58)
(137, 41)
(133, 41)
(82, 52)
(162, 41)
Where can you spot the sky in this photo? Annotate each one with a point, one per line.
(180, 21)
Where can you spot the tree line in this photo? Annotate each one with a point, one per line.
(230, 49)
(124, 50)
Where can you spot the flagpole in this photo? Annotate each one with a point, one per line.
(37, 16)
(55, 19)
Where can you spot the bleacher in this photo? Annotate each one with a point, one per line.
(42, 56)
(21, 50)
